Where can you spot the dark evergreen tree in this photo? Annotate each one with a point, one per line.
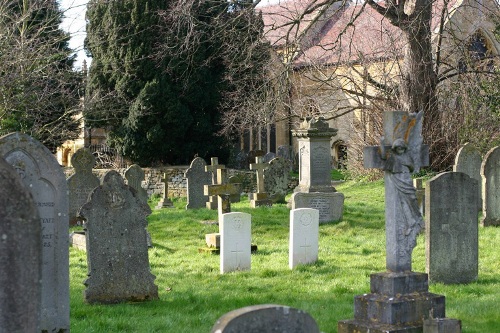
(39, 91)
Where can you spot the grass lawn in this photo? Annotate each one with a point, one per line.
(193, 295)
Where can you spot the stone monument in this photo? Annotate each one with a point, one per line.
(315, 188)
(197, 178)
(165, 202)
(117, 251)
(261, 197)
(43, 176)
(468, 161)
(20, 255)
(399, 300)
(81, 183)
(490, 173)
(276, 177)
(451, 228)
(135, 176)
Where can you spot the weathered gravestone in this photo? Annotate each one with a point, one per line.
(197, 178)
(399, 300)
(468, 161)
(45, 179)
(451, 228)
(304, 236)
(315, 188)
(266, 318)
(235, 242)
(165, 202)
(261, 198)
(276, 177)
(490, 172)
(236, 179)
(81, 183)
(117, 252)
(20, 255)
(135, 176)
(268, 157)
(285, 152)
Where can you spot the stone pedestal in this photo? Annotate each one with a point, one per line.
(259, 199)
(398, 302)
(329, 205)
(165, 203)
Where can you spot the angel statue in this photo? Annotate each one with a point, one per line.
(400, 162)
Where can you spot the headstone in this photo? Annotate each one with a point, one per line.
(276, 177)
(197, 178)
(313, 138)
(165, 202)
(214, 170)
(304, 236)
(268, 157)
(451, 228)
(490, 172)
(267, 318)
(399, 300)
(81, 183)
(117, 252)
(235, 229)
(242, 160)
(468, 161)
(261, 198)
(44, 177)
(236, 197)
(20, 255)
(329, 205)
(420, 194)
(135, 176)
(285, 152)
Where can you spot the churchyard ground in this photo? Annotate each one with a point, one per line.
(193, 294)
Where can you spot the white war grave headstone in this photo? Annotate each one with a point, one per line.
(400, 154)
(451, 228)
(81, 183)
(117, 251)
(304, 236)
(468, 161)
(45, 179)
(197, 177)
(235, 242)
(490, 172)
(20, 255)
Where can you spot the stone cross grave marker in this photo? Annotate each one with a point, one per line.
(197, 177)
(399, 158)
(490, 172)
(20, 255)
(276, 177)
(468, 161)
(451, 228)
(261, 198)
(117, 251)
(214, 169)
(45, 179)
(235, 240)
(165, 202)
(135, 176)
(81, 183)
(222, 190)
(266, 318)
(304, 236)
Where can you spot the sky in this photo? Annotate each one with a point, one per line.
(74, 23)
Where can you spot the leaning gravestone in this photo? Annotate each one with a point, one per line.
(490, 172)
(451, 228)
(197, 178)
(235, 242)
(266, 318)
(81, 183)
(135, 176)
(304, 236)
(44, 177)
(276, 177)
(117, 252)
(468, 161)
(20, 255)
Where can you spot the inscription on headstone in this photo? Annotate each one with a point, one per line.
(329, 205)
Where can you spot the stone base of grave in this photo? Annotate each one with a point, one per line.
(212, 202)
(213, 244)
(329, 205)
(398, 302)
(165, 203)
(442, 325)
(489, 222)
(77, 240)
(259, 199)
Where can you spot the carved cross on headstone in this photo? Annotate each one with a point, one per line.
(261, 198)
(237, 251)
(222, 191)
(306, 246)
(454, 231)
(401, 153)
(165, 202)
(214, 169)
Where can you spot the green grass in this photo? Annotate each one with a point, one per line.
(193, 295)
